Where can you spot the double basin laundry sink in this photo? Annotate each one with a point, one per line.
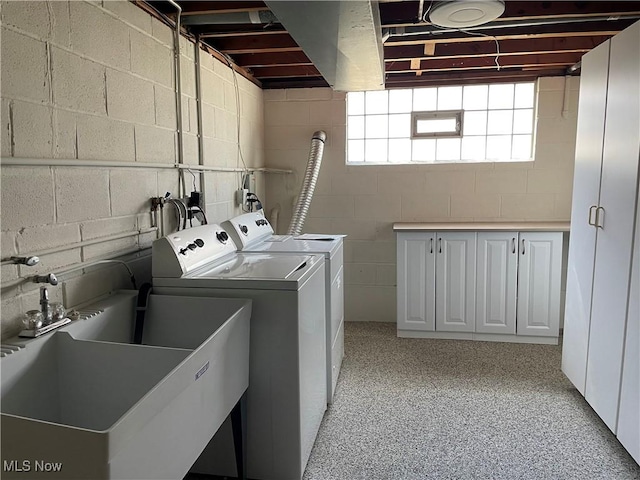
(85, 402)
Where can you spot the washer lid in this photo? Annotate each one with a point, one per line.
(257, 266)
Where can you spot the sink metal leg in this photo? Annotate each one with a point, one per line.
(239, 428)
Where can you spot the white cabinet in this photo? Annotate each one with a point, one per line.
(539, 272)
(455, 282)
(496, 282)
(600, 321)
(487, 285)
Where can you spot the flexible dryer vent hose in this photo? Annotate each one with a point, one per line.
(309, 183)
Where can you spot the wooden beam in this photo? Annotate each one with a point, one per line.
(532, 66)
(430, 48)
(415, 64)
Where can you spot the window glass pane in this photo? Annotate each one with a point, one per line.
(499, 121)
(475, 123)
(377, 102)
(523, 121)
(447, 149)
(473, 148)
(521, 147)
(400, 101)
(500, 96)
(400, 125)
(375, 150)
(355, 103)
(475, 97)
(355, 129)
(355, 152)
(399, 150)
(435, 125)
(449, 98)
(424, 99)
(376, 126)
(524, 95)
(499, 147)
(423, 150)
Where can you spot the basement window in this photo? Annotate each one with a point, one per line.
(465, 124)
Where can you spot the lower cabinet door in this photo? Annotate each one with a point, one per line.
(455, 281)
(539, 271)
(416, 281)
(497, 277)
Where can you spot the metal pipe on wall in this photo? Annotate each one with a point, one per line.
(198, 67)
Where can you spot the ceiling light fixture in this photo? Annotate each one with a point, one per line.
(465, 13)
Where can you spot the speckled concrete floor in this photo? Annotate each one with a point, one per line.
(441, 409)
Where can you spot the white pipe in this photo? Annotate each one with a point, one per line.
(565, 98)
(308, 183)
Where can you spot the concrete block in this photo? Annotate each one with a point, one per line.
(501, 181)
(550, 103)
(45, 20)
(371, 252)
(219, 212)
(109, 249)
(339, 112)
(212, 89)
(226, 125)
(336, 142)
(51, 263)
(99, 36)
(223, 70)
(321, 113)
(187, 49)
(9, 273)
(188, 80)
(534, 207)
(420, 207)
(354, 228)
(332, 206)
(24, 66)
(64, 134)
(34, 239)
(186, 116)
(151, 59)
(288, 137)
(369, 303)
(562, 206)
(190, 148)
(78, 83)
(193, 116)
(11, 317)
(224, 185)
(275, 95)
(449, 182)
(230, 101)
(316, 225)
(27, 197)
(549, 181)
(146, 240)
(384, 231)
(286, 113)
(130, 13)
(81, 194)
(360, 274)
(390, 183)
(155, 145)
(6, 132)
(380, 207)
(339, 95)
(309, 94)
(161, 32)
(92, 285)
(32, 130)
(105, 139)
(475, 205)
(131, 190)
(208, 121)
(105, 227)
(220, 153)
(8, 246)
(168, 181)
(386, 275)
(556, 130)
(130, 98)
(551, 83)
(165, 107)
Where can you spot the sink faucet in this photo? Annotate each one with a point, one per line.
(44, 306)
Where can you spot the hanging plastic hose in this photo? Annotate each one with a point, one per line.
(308, 184)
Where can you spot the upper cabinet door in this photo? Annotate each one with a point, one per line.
(416, 281)
(497, 277)
(539, 270)
(456, 282)
(618, 194)
(586, 192)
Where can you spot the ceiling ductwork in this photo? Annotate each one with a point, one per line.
(343, 39)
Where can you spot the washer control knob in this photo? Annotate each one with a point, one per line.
(222, 237)
(183, 251)
(244, 229)
(192, 246)
(199, 242)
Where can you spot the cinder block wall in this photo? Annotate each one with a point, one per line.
(94, 81)
(365, 201)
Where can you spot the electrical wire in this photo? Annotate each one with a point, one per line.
(195, 189)
(496, 59)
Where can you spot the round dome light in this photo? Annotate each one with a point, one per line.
(465, 13)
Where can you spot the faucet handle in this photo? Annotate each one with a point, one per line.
(50, 278)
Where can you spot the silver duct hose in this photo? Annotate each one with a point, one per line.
(308, 184)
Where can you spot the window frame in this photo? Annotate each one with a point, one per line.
(436, 114)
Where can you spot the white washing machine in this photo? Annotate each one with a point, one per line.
(286, 398)
(253, 233)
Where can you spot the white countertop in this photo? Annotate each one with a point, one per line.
(482, 227)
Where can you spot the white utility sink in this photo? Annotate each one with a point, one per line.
(84, 402)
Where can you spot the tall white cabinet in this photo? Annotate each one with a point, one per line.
(600, 345)
(497, 282)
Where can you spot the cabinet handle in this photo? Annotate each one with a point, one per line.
(523, 246)
(440, 245)
(513, 245)
(591, 209)
(431, 244)
(598, 223)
